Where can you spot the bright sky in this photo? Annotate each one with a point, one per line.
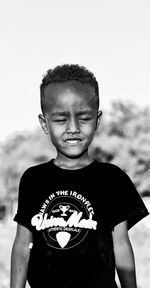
(111, 38)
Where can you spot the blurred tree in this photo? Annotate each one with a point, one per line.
(124, 139)
(19, 152)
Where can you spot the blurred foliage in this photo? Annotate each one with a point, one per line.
(123, 138)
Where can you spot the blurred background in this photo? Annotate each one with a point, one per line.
(110, 38)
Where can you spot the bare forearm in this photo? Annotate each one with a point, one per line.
(127, 278)
(125, 265)
(19, 266)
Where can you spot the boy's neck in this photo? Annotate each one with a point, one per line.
(73, 164)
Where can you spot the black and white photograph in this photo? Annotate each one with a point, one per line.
(75, 144)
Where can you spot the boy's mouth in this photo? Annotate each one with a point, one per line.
(72, 141)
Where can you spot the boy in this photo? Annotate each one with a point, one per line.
(74, 212)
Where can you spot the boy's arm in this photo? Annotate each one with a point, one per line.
(124, 257)
(20, 257)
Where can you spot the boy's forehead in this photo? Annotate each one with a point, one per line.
(83, 90)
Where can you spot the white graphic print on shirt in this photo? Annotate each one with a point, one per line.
(65, 218)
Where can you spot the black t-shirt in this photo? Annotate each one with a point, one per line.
(71, 214)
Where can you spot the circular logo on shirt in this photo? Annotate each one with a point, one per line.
(65, 220)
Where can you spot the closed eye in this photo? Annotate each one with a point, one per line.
(60, 120)
(85, 118)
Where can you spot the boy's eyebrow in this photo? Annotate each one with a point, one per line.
(57, 113)
(66, 113)
(85, 112)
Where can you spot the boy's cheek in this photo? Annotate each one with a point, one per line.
(89, 129)
(55, 133)
(54, 128)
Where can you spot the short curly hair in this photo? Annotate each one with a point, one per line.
(65, 73)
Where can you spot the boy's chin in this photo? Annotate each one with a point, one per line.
(74, 155)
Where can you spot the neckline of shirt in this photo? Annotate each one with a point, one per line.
(85, 168)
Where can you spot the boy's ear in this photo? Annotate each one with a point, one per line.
(99, 114)
(43, 123)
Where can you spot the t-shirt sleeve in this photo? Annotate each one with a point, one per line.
(126, 203)
(23, 214)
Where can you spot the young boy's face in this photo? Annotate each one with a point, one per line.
(71, 118)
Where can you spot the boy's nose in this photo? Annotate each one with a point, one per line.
(73, 126)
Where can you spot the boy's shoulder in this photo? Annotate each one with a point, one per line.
(36, 169)
(108, 166)
(111, 171)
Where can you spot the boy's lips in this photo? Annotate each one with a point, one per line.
(72, 141)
